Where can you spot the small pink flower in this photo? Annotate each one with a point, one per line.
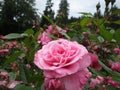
(96, 81)
(9, 45)
(25, 49)
(94, 62)
(116, 50)
(49, 29)
(2, 37)
(55, 30)
(3, 83)
(64, 60)
(115, 66)
(28, 65)
(113, 83)
(4, 73)
(4, 76)
(13, 66)
(12, 84)
(85, 34)
(4, 51)
(44, 38)
(108, 81)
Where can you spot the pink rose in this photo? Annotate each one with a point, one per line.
(55, 30)
(49, 29)
(4, 51)
(94, 61)
(62, 57)
(109, 81)
(44, 38)
(115, 66)
(64, 60)
(116, 50)
(96, 81)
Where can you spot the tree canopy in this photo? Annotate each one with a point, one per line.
(63, 12)
(48, 12)
(17, 15)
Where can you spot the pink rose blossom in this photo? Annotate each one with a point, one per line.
(4, 51)
(28, 65)
(49, 29)
(55, 30)
(111, 82)
(64, 60)
(96, 81)
(2, 37)
(4, 73)
(3, 83)
(117, 50)
(115, 66)
(44, 38)
(94, 62)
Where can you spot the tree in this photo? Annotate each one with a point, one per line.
(17, 15)
(63, 12)
(115, 17)
(48, 12)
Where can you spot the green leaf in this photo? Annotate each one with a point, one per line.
(23, 87)
(86, 14)
(42, 87)
(36, 35)
(117, 11)
(115, 78)
(29, 31)
(28, 43)
(117, 22)
(1, 88)
(85, 21)
(14, 36)
(63, 33)
(98, 73)
(13, 57)
(24, 73)
(106, 34)
(110, 88)
(117, 35)
(12, 76)
(49, 20)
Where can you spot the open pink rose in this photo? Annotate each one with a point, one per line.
(64, 59)
(44, 38)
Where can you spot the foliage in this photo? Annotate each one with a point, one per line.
(47, 12)
(63, 12)
(96, 33)
(17, 15)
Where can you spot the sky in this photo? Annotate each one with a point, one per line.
(75, 6)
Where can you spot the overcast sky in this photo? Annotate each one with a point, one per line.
(75, 6)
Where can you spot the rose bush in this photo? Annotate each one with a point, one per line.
(86, 58)
(65, 61)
